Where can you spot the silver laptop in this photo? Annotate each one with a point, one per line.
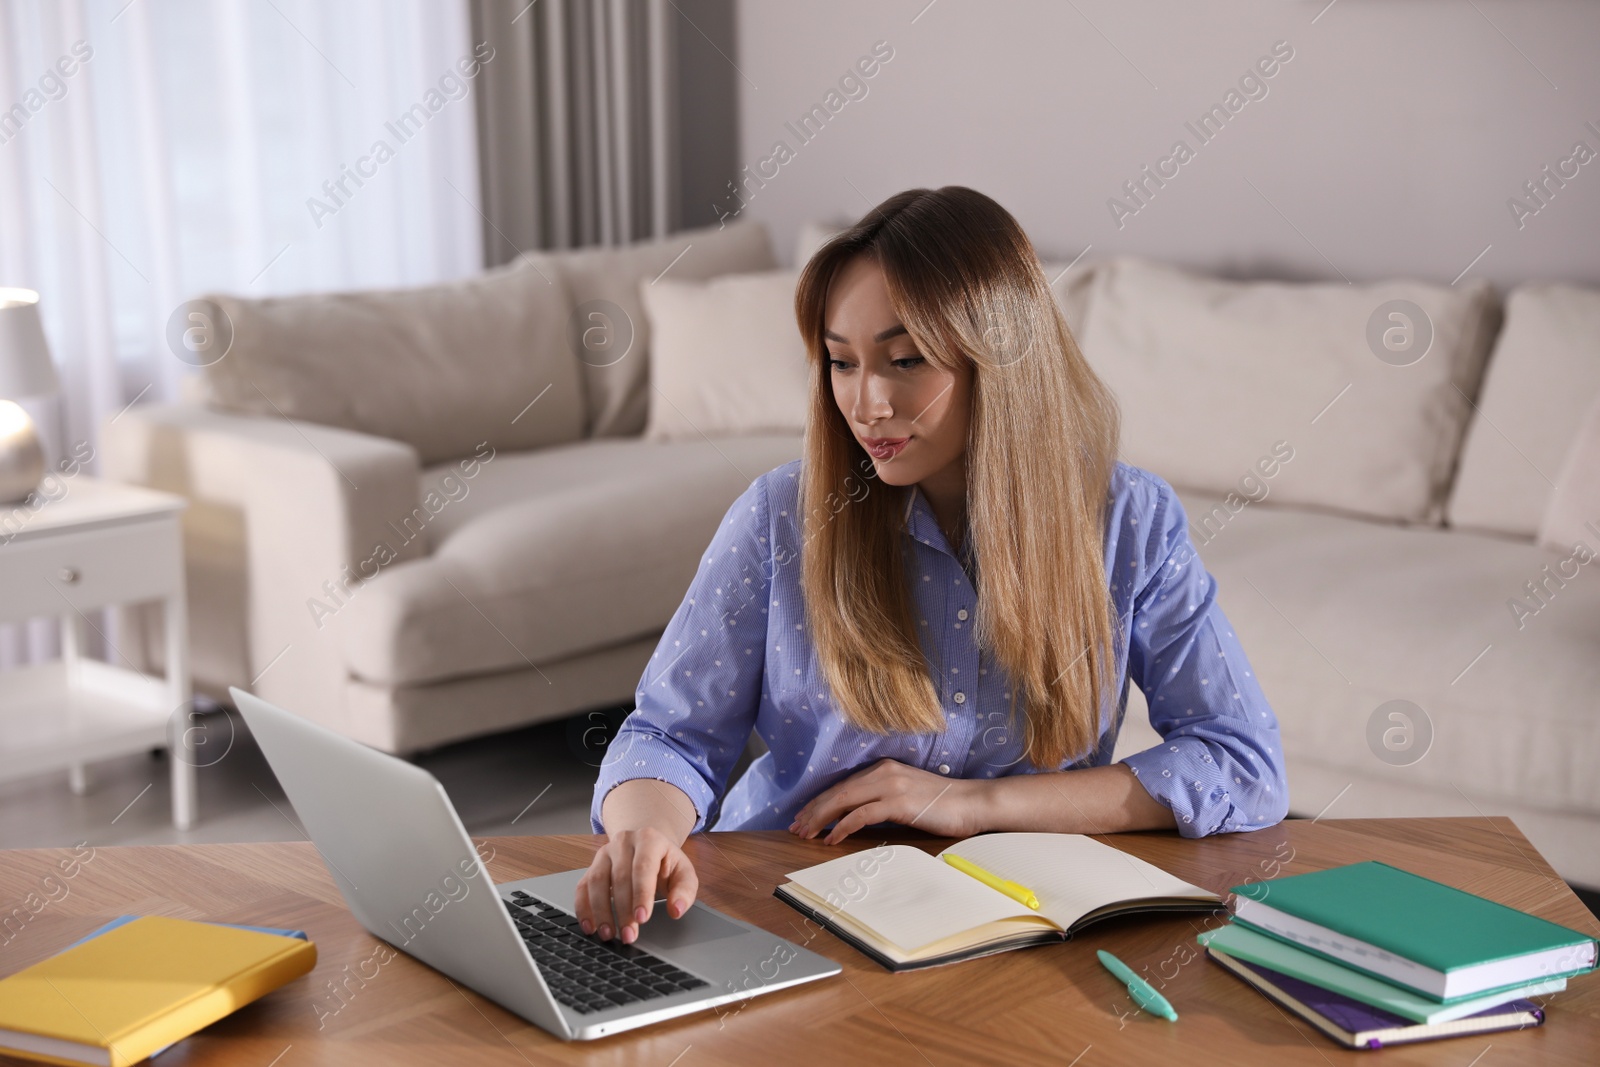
(408, 870)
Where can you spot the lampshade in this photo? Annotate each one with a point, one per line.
(25, 365)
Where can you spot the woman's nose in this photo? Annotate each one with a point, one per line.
(872, 400)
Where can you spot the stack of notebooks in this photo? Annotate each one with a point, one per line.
(137, 985)
(1373, 955)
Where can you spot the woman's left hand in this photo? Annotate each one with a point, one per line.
(891, 791)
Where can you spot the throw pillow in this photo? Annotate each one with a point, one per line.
(1542, 375)
(726, 357)
(442, 367)
(607, 329)
(1573, 512)
(1367, 384)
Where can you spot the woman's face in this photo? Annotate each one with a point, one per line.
(886, 390)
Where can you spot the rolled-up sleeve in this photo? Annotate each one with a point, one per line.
(1220, 765)
(697, 700)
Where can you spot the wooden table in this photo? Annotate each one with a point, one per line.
(1052, 1004)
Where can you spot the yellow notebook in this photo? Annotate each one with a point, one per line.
(120, 996)
(907, 909)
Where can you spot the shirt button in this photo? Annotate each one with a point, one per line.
(962, 614)
(960, 698)
(944, 768)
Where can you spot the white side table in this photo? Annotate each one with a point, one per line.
(95, 545)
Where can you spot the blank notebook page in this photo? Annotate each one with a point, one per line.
(1071, 875)
(911, 899)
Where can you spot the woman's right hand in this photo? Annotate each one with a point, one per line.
(629, 871)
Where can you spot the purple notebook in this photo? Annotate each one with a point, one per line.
(1359, 1018)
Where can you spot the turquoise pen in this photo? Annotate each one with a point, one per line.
(1138, 988)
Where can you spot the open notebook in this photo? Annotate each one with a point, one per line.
(907, 909)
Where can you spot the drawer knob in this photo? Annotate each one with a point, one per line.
(68, 575)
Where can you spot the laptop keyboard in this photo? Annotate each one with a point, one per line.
(585, 973)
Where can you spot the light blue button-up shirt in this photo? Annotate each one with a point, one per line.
(736, 657)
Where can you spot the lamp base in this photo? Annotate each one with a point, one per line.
(21, 456)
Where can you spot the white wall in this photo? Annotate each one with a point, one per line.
(1388, 145)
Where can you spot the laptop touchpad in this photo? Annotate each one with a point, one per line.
(695, 927)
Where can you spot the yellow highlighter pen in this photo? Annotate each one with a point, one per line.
(993, 881)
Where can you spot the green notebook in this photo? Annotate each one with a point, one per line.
(1435, 939)
(1241, 942)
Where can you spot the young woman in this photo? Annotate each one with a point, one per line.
(933, 617)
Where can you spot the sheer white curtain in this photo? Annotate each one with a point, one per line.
(151, 150)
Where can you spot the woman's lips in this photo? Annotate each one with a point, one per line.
(885, 447)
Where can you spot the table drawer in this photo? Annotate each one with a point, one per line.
(90, 569)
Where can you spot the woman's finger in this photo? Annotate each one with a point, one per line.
(846, 797)
(580, 899)
(682, 884)
(598, 885)
(648, 855)
(863, 786)
(622, 885)
(866, 815)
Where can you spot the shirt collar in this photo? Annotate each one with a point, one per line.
(922, 524)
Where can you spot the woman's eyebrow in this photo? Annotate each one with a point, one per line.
(894, 331)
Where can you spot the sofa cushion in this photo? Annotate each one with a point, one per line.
(1211, 374)
(548, 554)
(607, 330)
(1340, 615)
(1542, 377)
(441, 368)
(726, 357)
(1573, 513)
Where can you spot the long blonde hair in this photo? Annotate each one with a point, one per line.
(1041, 449)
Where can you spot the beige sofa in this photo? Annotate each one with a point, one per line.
(1373, 565)
(1409, 585)
(338, 440)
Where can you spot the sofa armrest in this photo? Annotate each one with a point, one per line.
(313, 503)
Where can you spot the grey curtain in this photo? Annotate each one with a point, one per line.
(576, 117)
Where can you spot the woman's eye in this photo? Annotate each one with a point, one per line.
(904, 363)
